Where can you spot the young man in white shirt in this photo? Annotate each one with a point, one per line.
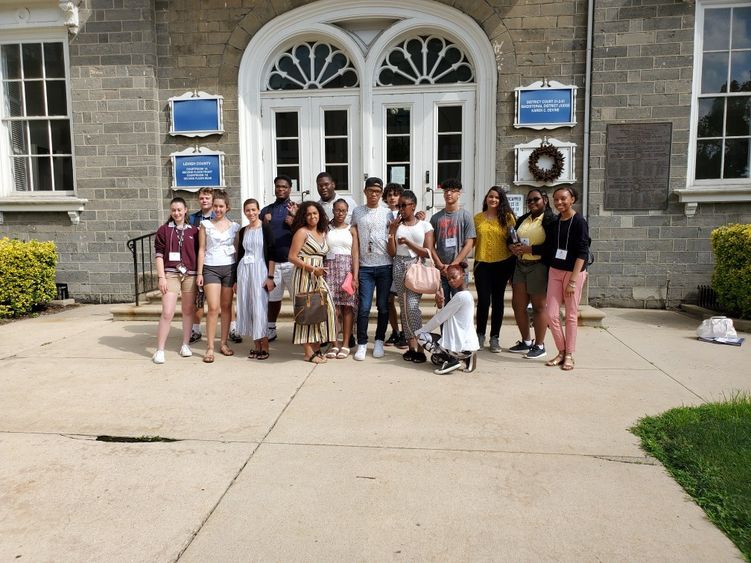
(371, 222)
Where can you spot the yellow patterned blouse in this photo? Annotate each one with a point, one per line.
(490, 245)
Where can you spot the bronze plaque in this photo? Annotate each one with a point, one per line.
(638, 166)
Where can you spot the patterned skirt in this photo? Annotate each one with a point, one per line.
(336, 270)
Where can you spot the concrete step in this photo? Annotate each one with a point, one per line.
(150, 310)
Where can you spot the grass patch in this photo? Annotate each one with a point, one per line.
(707, 449)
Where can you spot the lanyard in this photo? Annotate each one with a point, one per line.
(568, 232)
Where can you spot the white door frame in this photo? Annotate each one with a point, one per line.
(317, 20)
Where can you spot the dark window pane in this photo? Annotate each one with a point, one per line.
(449, 147)
(740, 72)
(736, 158)
(400, 167)
(11, 56)
(286, 124)
(18, 140)
(397, 149)
(291, 171)
(13, 101)
(710, 117)
(449, 119)
(397, 120)
(741, 28)
(39, 136)
(714, 73)
(287, 65)
(57, 103)
(336, 151)
(708, 159)
(54, 62)
(739, 116)
(335, 122)
(63, 167)
(21, 176)
(340, 175)
(60, 136)
(449, 170)
(321, 52)
(716, 29)
(287, 151)
(34, 97)
(41, 169)
(32, 60)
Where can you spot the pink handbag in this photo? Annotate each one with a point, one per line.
(347, 284)
(423, 278)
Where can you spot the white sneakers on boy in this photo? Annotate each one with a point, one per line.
(378, 351)
(362, 350)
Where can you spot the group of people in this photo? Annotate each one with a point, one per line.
(352, 253)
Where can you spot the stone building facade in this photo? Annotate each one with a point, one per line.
(124, 60)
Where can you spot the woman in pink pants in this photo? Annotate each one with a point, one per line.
(567, 240)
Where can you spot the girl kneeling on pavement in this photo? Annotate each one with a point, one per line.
(457, 347)
(176, 247)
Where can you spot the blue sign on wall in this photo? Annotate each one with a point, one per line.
(545, 106)
(196, 115)
(197, 171)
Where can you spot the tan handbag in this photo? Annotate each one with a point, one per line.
(423, 278)
(311, 307)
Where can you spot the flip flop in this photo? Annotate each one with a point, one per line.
(262, 355)
(316, 359)
(208, 357)
(226, 350)
(343, 353)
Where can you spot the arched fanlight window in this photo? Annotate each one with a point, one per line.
(312, 66)
(427, 59)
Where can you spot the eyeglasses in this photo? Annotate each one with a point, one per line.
(403, 205)
(534, 199)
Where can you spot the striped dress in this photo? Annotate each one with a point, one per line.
(252, 297)
(313, 253)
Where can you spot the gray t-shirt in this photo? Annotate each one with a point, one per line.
(451, 230)
(372, 232)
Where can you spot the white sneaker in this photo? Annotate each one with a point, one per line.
(362, 350)
(378, 349)
(185, 351)
(158, 357)
(271, 334)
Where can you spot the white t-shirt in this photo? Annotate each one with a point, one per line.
(372, 232)
(457, 322)
(414, 233)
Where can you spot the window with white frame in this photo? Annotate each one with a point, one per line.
(722, 125)
(35, 114)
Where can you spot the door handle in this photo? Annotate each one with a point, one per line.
(429, 190)
(427, 177)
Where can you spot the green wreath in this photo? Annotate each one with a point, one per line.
(550, 174)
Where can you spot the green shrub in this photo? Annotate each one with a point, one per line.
(731, 279)
(27, 275)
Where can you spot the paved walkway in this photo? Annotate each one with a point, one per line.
(373, 461)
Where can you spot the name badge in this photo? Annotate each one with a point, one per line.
(450, 242)
(561, 254)
(524, 241)
(229, 250)
(249, 259)
(174, 256)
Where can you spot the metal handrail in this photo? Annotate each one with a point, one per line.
(141, 249)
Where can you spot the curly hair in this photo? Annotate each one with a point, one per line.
(299, 221)
(504, 209)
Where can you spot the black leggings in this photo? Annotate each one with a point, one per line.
(491, 279)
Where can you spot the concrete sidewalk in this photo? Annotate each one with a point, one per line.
(348, 461)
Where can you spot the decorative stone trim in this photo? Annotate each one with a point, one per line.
(70, 15)
(71, 205)
(692, 197)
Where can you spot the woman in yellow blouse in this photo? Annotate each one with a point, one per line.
(494, 263)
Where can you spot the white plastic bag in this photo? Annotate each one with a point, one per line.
(716, 327)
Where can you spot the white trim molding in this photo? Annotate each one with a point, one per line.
(332, 20)
(692, 197)
(71, 205)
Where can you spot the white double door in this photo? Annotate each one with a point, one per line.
(414, 139)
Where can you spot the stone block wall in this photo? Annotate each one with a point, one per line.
(643, 71)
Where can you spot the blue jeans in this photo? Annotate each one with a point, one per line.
(371, 278)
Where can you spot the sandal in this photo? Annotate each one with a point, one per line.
(262, 355)
(226, 350)
(568, 362)
(333, 351)
(252, 354)
(558, 360)
(316, 358)
(343, 353)
(208, 357)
